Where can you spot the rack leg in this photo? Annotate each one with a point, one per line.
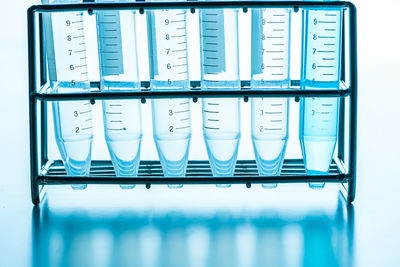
(35, 193)
(351, 192)
(351, 188)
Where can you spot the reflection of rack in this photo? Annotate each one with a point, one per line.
(328, 231)
(46, 172)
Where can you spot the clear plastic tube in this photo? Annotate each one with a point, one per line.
(270, 70)
(220, 71)
(320, 70)
(67, 68)
(116, 38)
(169, 71)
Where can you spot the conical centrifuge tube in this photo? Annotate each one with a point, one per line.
(116, 37)
(169, 71)
(320, 70)
(270, 70)
(220, 71)
(67, 68)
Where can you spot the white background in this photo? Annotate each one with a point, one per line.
(377, 216)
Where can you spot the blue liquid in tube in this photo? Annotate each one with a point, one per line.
(67, 68)
(220, 71)
(320, 70)
(270, 70)
(169, 71)
(116, 38)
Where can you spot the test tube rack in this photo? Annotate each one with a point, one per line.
(46, 172)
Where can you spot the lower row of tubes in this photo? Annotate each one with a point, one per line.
(172, 136)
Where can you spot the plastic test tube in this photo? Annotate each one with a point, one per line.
(320, 70)
(169, 71)
(220, 71)
(270, 70)
(67, 69)
(116, 36)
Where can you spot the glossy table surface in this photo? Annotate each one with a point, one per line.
(204, 226)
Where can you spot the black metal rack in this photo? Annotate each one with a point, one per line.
(45, 172)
